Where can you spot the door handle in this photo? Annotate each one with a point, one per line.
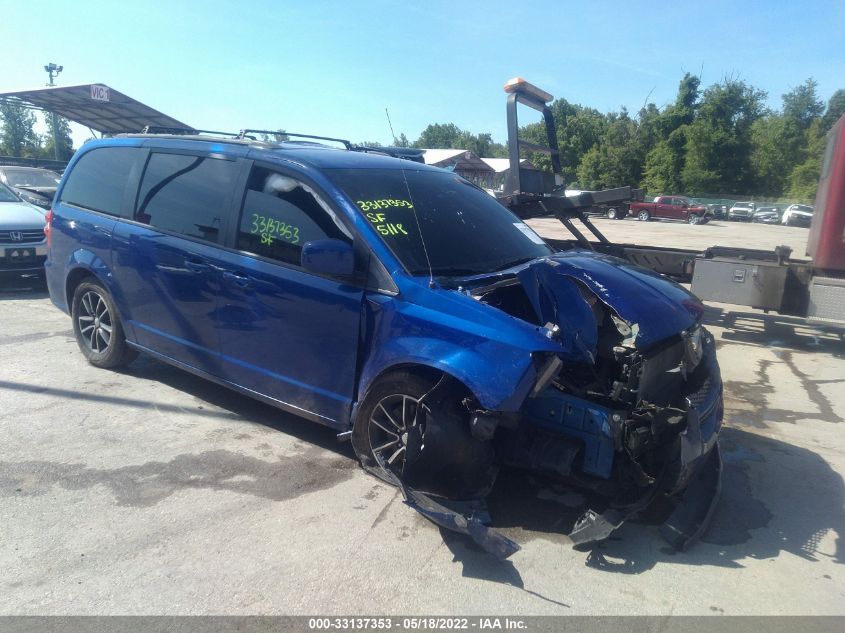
(197, 266)
(237, 278)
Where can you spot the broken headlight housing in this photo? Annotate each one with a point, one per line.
(693, 348)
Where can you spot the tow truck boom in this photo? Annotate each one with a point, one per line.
(769, 280)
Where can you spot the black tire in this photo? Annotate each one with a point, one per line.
(694, 219)
(643, 215)
(612, 213)
(452, 463)
(97, 327)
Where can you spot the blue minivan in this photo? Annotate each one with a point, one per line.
(398, 304)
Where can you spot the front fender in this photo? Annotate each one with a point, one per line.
(499, 374)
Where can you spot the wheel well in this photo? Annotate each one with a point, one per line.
(76, 277)
(423, 371)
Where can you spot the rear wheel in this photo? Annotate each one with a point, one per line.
(97, 326)
(643, 215)
(612, 213)
(402, 432)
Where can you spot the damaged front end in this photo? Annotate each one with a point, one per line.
(623, 399)
(632, 406)
(651, 436)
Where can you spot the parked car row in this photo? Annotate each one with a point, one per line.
(793, 215)
(684, 208)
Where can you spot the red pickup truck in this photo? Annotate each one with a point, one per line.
(670, 208)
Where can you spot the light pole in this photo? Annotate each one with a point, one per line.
(53, 70)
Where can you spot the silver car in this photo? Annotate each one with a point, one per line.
(31, 184)
(741, 211)
(23, 244)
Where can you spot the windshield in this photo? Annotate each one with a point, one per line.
(31, 178)
(464, 229)
(804, 208)
(6, 194)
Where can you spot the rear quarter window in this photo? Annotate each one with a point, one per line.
(99, 178)
(187, 194)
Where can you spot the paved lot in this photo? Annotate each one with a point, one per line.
(149, 491)
(682, 235)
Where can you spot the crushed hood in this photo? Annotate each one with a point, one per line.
(653, 307)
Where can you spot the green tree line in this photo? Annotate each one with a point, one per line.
(18, 137)
(718, 140)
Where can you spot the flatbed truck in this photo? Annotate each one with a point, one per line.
(767, 280)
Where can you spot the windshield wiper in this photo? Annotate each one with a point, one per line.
(448, 271)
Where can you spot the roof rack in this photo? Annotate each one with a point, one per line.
(406, 153)
(243, 134)
(157, 129)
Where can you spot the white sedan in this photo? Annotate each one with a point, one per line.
(797, 215)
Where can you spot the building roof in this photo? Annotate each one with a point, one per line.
(462, 159)
(500, 165)
(96, 106)
(435, 156)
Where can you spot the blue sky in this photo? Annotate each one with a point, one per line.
(329, 67)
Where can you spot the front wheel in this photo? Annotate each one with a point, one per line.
(694, 219)
(643, 215)
(404, 431)
(97, 327)
(612, 213)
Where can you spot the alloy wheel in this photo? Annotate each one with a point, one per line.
(95, 322)
(392, 422)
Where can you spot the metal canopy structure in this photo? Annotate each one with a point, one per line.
(96, 106)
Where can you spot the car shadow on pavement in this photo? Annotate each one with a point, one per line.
(22, 289)
(776, 498)
(775, 330)
(237, 406)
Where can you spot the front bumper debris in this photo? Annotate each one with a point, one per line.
(493, 541)
(692, 515)
(469, 519)
(688, 521)
(694, 485)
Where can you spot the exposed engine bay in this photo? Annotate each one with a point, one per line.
(625, 410)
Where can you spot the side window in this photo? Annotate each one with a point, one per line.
(280, 214)
(186, 194)
(99, 178)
